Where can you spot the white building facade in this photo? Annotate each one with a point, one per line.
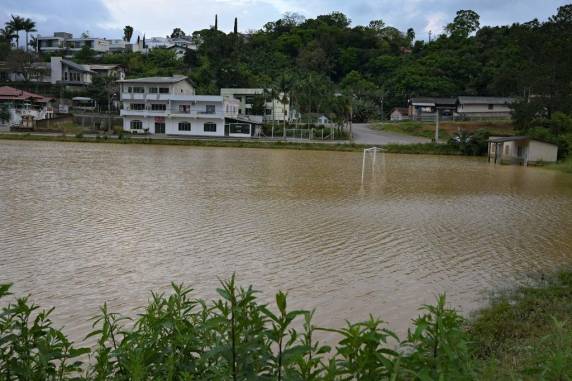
(273, 109)
(65, 41)
(169, 105)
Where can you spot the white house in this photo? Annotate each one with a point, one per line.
(521, 150)
(64, 71)
(65, 41)
(273, 109)
(484, 107)
(169, 105)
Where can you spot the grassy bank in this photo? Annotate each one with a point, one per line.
(429, 149)
(564, 166)
(524, 334)
(446, 129)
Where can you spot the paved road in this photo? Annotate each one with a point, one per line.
(363, 134)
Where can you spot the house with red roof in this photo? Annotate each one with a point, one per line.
(25, 107)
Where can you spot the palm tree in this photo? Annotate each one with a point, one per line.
(33, 42)
(7, 34)
(272, 94)
(127, 33)
(16, 24)
(284, 87)
(29, 26)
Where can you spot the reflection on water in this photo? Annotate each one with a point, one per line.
(86, 223)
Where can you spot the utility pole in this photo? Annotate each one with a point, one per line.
(382, 115)
(351, 118)
(437, 126)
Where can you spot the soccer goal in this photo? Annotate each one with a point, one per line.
(371, 153)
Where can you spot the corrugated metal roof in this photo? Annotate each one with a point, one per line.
(155, 80)
(508, 139)
(11, 93)
(486, 100)
(436, 101)
(77, 66)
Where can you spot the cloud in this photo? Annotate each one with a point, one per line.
(435, 23)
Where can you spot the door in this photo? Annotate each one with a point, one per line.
(159, 128)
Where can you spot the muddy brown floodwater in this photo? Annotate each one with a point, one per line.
(81, 224)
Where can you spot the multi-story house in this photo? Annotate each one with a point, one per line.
(65, 41)
(169, 105)
(273, 109)
(67, 72)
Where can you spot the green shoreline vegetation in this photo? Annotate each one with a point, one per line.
(522, 334)
(435, 149)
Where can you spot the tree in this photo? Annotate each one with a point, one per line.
(563, 16)
(28, 26)
(85, 54)
(284, 86)
(465, 23)
(16, 24)
(258, 105)
(178, 33)
(85, 34)
(7, 34)
(4, 113)
(410, 35)
(127, 33)
(33, 43)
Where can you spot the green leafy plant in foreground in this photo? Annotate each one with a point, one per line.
(178, 337)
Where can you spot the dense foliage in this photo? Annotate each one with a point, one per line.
(320, 56)
(179, 337)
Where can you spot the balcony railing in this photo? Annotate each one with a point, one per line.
(192, 113)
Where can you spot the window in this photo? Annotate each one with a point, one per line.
(184, 126)
(158, 107)
(268, 111)
(210, 127)
(491, 107)
(210, 109)
(185, 109)
(163, 90)
(136, 89)
(65, 76)
(136, 125)
(137, 106)
(249, 99)
(152, 90)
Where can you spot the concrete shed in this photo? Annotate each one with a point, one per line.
(521, 150)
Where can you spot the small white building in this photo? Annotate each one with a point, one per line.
(484, 107)
(169, 105)
(521, 150)
(399, 113)
(273, 109)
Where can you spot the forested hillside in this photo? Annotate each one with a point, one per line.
(314, 58)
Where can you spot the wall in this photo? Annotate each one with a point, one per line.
(483, 108)
(56, 66)
(172, 126)
(540, 151)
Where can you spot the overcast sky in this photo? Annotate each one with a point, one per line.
(106, 18)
